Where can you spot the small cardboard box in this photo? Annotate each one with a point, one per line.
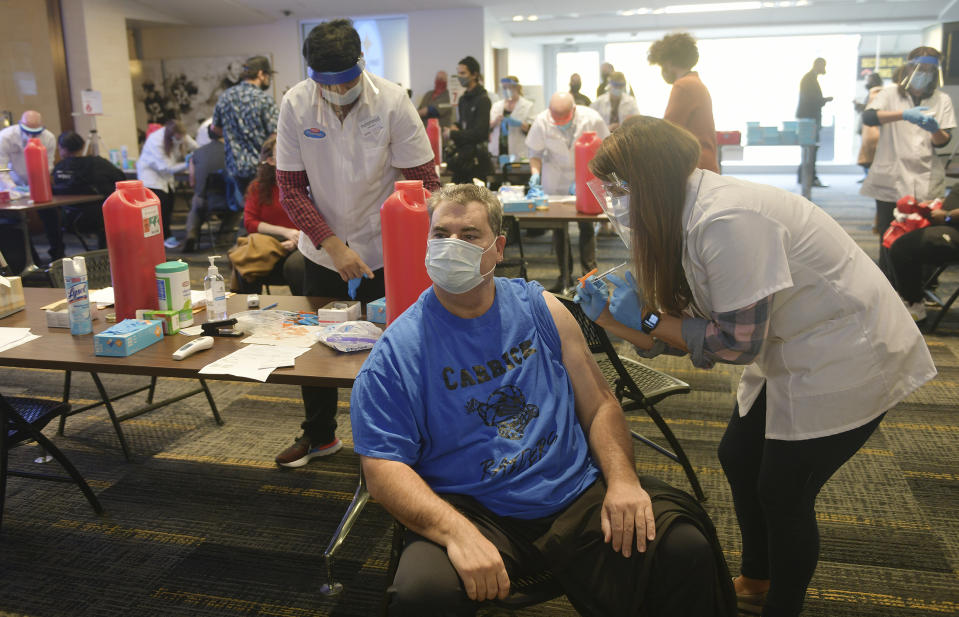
(170, 319)
(11, 295)
(339, 311)
(525, 205)
(127, 337)
(376, 311)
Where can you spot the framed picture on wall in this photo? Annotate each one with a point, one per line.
(950, 53)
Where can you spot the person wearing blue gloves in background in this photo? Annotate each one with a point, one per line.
(735, 272)
(551, 142)
(510, 120)
(906, 161)
(344, 137)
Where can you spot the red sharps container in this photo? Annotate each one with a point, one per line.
(38, 170)
(586, 147)
(405, 223)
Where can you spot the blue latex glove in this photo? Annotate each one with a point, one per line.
(572, 188)
(511, 121)
(535, 192)
(432, 112)
(503, 127)
(352, 285)
(915, 115)
(930, 124)
(534, 180)
(592, 297)
(626, 305)
(503, 159)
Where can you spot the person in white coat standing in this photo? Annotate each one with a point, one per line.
(552, 161)
(615, 105)
(905, 162)
(162, 157)
(827, 343)
(510, 119)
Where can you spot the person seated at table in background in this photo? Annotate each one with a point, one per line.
(264, 215)
(934, 245)
(552, 147)
(486, 428)
(76, 174)
(209, 193)
(161, 158)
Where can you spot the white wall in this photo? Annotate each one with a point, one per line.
(439, 39)
(526, 62)
(95, 37)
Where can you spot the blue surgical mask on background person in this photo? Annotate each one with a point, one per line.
(920, 81)
(454, 264)
(464, 81)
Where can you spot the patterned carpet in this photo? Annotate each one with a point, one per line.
(202, 523)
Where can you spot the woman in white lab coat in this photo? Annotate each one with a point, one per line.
(748, 274)
(514, 113)
(914, 118)
(162, 157)
(615, 105)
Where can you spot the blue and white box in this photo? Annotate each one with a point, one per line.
(127, 337)
(376, 311)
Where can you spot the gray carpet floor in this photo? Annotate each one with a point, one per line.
(202, 522)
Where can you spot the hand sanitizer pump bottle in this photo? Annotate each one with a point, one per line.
(215, 289)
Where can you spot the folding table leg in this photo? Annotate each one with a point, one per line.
(113, 416)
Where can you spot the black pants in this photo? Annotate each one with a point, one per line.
(933, 245)
(810, 153)
(167, 199)
(884, 216)
(52, 220)
(320, 403)
(597, 580)
(774, 485)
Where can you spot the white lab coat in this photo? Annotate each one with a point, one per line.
(557, 147)
(12, 143)
(906, 162)
(154, 168)
(627, 107)
(523, 111)
(841, 346)
(351, 165)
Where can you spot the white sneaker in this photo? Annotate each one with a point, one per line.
(171, 242)
(917, 310)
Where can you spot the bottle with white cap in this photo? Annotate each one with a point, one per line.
(78, 295)
(215, 288)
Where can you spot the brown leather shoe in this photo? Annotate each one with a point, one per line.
(302, 452)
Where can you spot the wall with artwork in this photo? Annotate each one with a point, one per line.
(183, 88)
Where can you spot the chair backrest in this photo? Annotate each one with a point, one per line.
(98, 270)
(596, 338)
(20, 412)
(512, 266)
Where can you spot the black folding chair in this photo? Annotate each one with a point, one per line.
(929, 290)
(514, 260)
(22, 421)
(636, 386)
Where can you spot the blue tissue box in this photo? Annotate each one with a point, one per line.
(525, 205)
(376, 311)
(127, 337)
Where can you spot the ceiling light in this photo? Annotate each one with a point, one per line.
(532, 18)
(626, 12)
(785, 4)
(768, 5)
(714, 7)
(659, 11)
(643, 11)
(802, 3)
(518, 18)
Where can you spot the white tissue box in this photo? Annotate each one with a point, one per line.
(11, 296)
(339, 311)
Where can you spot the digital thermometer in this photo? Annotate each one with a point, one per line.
(197, 344)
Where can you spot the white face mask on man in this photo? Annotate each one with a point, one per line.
(344, 98)
(454, 264)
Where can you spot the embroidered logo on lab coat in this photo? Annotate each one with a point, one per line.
(314, 133)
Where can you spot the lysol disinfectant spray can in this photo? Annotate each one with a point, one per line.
(78, 295)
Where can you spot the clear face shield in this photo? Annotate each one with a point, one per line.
(613, 197)
(508, 88)
(922, 75)
(326, 80)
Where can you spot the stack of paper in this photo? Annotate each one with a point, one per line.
(11, 337)
(255, 361)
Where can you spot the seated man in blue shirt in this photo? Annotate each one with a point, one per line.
(486, 428)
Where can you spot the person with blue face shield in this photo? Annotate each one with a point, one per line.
(510, 121)
(615, 105)
(914, 118)
(484, 425)
(344, 137)
(552, 161)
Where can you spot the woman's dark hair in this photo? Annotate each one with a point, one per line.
(655, 158)
(71, 141)
(903, 70)
(677, 49)
(873, 80)
(266, 173)
(332, 46)
(171, 129)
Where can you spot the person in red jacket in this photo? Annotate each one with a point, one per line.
(263, 214)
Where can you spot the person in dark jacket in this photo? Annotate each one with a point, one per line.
(76, 174)
(810, 106)
(471, 131)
